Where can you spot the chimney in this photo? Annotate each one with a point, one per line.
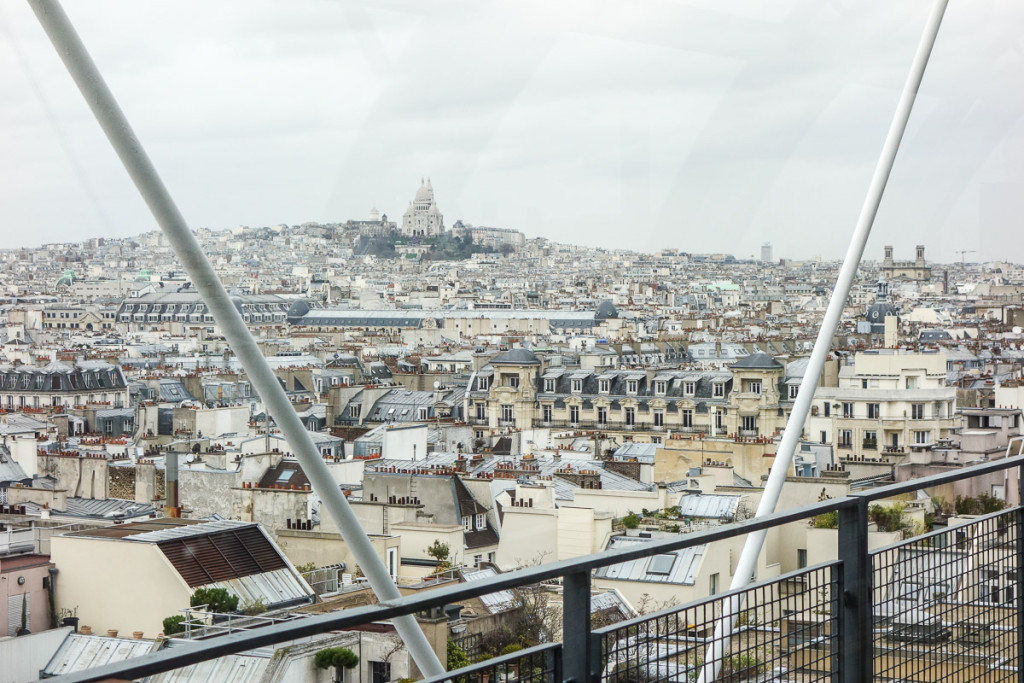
(171, 508)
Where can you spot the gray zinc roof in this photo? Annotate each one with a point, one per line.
(759, 360)
(678, 567)
(708, 505)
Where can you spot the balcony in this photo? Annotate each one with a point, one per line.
(927, 603)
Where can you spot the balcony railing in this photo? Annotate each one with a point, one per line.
(944, 602)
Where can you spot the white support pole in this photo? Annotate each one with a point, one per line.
(747, 563)
(121, 136)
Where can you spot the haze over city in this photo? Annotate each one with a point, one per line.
(699, 126)
(511, 343)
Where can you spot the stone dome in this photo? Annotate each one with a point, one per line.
(877, 313)
(298, 309)
(606, 309)
(425, 193)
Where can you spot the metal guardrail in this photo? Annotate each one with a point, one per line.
(843, 588)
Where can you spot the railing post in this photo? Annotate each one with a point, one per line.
(856, 659)
(576, 627)
(1019, 520)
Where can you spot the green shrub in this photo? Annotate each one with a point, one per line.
(888, 517)
(253, 607)
(826, 520)
(631, 521)
(338, 657)
(456, 656)
(174, 625)
(215, 599)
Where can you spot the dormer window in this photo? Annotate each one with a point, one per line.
(484, 383)
(718, 390)
(510, 380)
(659, 387)
(631, 385)
(604, 385)
(467, 523)
(577, 386)
(480, 522)
(549, 385)
(754, 386)
(794, 389)
(689, 388)
(355, 410)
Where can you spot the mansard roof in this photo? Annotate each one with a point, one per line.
(517, 356)
(759, 360)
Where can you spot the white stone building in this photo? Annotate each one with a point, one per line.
(886, 403)
(423, 218)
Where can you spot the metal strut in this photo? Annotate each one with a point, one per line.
(121, 136)
(747, 563)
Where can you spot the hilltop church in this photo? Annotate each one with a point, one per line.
(423, 218)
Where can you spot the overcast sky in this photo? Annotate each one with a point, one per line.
(702, 125)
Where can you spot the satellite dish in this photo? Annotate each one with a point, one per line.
(189, 458)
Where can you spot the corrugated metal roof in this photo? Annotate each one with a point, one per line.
(79, 652)
(227, 669)
(272, 588)
(107, 508)
(501, 601)
(177, 531)
(683, 568)
(708, 505)
(641, 451)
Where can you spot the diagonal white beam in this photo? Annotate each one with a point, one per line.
(122, 138)
(822, 345)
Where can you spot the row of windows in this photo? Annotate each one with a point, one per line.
(10, 401)
(873, 411)
(870, 440)
(632, 386)
(629, 416)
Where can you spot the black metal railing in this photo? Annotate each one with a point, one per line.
(946, 603)
(843, 620)
(778, 629)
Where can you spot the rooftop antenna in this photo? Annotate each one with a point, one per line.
(122, 138)
(747, 564)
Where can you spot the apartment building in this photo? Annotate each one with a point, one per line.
(887, 403)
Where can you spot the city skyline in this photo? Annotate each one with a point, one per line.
(602, 128)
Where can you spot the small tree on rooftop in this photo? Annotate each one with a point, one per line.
(440, 551)
(215, 599)
(340, 658)
(631, 521)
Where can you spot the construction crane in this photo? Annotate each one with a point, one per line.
(963, 254)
